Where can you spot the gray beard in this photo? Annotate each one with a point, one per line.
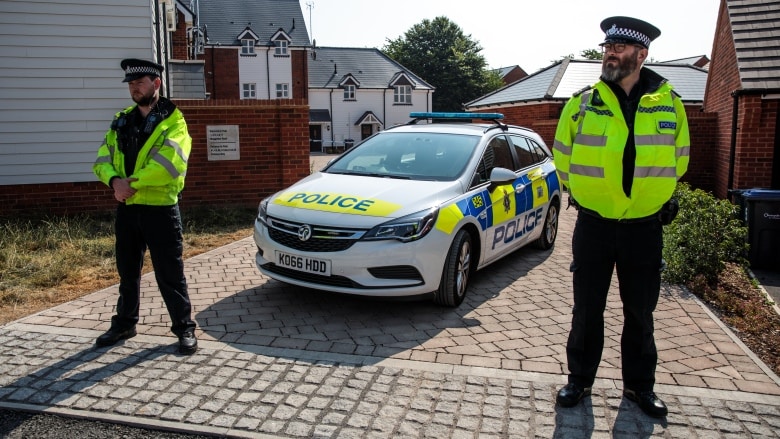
(621, 71)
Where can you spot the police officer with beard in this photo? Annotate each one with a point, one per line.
(620, 148)
(144, 160)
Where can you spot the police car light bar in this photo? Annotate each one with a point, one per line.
(437, 115)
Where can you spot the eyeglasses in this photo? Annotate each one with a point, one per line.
(615, 47)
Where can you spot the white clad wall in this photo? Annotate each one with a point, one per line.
(280, 68)
(253, 70)
(60, 82)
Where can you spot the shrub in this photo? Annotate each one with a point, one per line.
(705, 235)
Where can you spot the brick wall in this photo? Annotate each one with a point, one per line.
(754, 156)
(221, 66)
(179, 49)
(722, 79)
(543, 118)
(274, 148)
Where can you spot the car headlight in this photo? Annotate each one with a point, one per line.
(262, 211)
(408, 228)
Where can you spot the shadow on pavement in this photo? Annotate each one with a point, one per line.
(278, 315)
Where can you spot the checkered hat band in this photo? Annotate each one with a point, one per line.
(142, 70)
(620, 32)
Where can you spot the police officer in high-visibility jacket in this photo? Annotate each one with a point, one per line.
(620, 148)
(144, 160)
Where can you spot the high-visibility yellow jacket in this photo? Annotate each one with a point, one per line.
(161, 164)
(589, 144)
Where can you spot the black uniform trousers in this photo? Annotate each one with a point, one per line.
(634, 248)
(160, 229)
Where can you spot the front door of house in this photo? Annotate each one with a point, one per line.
(366, 130)
(315, 138)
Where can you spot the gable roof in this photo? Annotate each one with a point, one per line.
(564, 78)
(757, 41)
(328, 67)
(698, 61)
(225, 20)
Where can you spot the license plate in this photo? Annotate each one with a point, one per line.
(302, 263)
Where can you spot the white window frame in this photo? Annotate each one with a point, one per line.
(247, 46)
(402, 95)
(248, 90)
(282, 91)
(280, 47)
(349, 92)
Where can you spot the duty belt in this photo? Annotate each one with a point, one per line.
(594, 214)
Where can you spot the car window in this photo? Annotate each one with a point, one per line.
(416, 156)
(540, 152)
(497, 154)
(525, 151)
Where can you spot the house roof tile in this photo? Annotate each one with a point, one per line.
(329, 65)
(757, 41)
(562, 79)
(225, 20)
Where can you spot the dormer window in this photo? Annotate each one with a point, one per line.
(349, 92)
(402, 89)
(248, 41)
(247, 47)
(402, 94)
(280, 47)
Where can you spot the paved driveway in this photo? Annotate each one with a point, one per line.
(293, 362)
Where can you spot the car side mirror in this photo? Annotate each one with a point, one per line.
(501, 176)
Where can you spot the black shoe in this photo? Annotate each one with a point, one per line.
(571, 394)
(110, 337)
(648, 402)
(188, 344)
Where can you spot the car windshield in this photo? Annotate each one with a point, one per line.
(414, 156)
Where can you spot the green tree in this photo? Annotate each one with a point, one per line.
(439, 52)
(592, 54)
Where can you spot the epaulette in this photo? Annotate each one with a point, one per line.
(584, 89)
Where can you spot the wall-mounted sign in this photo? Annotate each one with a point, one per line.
(222, 142)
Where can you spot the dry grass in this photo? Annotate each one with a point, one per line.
(46, 261)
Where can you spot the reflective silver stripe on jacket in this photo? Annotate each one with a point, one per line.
(590, 140)
(164, 161)
(683, 151)
(588, 171)
(563, 148)
(655, 171)
(106, 158)
(655, 139)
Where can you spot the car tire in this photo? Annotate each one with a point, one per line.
(549, 230)
(456, 272)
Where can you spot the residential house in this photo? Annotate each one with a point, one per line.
(254, 49)
(743, 89)
(511, 74)
(61, 84)
(700, 61)
(536, 102)
(354, 92)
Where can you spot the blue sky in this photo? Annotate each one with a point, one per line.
(517, 32)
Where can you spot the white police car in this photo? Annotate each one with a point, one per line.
(414, 209)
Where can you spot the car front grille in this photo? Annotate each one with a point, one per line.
(323, 239)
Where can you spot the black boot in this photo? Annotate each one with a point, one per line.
(571, 394)
(113, 335)
(648, 402)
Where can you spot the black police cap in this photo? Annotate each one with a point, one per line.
(629, 30)
(138, 68)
